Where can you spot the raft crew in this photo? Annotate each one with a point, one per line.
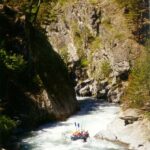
(79, 134)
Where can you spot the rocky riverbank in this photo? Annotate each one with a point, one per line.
(130, 128)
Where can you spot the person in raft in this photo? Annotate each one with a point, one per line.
(79, 134)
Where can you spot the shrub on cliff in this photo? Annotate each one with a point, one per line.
(12, 67)
(106, 68)
(133, 7)
(137, 93)
(137, 14)
(12, 62)
(6, 127)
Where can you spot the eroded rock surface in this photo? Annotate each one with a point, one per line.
(91, 37)
(136, 134)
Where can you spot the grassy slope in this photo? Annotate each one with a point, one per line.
(137, 94)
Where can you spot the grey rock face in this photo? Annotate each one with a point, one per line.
(96, 35)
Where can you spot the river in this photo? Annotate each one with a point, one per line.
(94, 116)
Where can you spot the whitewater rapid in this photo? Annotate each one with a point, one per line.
(93, 116)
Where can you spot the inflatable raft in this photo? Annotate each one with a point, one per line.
(77, 135)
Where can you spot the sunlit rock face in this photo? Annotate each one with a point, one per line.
(131, 129)
(95, 39)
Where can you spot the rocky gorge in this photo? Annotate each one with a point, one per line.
(53, 51)
(97, 44)
(100, 42)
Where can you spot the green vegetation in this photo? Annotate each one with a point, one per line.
(78, 40)
(84, 62)
(7, 126)
(137, 14)
(147, 114)
(12, 62)
(106, 22)
(64, 54)
(15, 68)
(137, 93)
(95, 43)
(105, 68)
(96, 72)
(84, 37)
(102, 70)
(80, 37)
(36, 82)
(63, 2)
(134, 7)
(47, 13)
(50, 8)
(93, 1)
(119, 36)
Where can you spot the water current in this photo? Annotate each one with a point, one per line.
(94, 116)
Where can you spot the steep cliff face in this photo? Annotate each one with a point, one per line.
(34, 81)
(95, 40)
(54, 76)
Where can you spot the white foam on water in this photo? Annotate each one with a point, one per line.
(93, 117)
